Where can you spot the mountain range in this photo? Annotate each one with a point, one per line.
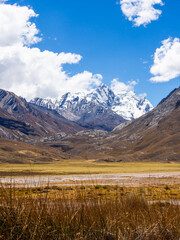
(154, 136)
(38, 131)
(21, 120)
(100, 108)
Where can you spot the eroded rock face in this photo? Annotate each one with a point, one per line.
(12, 104)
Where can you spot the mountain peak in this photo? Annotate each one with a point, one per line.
(72, 106)
(103, 86)
(175, 91)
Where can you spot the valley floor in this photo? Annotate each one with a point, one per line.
(90, 212)
(126, 180)
(69, 200)
(75, 173)
(71, 167)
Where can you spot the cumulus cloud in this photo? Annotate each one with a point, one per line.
(141, 12)
(15, 27)
(28, 71)
(120, 87)
(166, 61)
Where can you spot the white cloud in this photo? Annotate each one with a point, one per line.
(166, 61)
(28, 71)
(120, 87)
(141, 12)
(15, 27)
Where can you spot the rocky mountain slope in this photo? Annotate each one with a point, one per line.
(153, 137)
(152, 119)
(100, 108)
(22, 120)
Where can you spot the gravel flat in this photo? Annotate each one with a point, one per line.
(127, 179)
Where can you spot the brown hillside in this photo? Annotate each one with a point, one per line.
(22, 121)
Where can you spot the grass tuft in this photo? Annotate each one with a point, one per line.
(71, 214)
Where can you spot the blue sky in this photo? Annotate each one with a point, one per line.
(108, 42)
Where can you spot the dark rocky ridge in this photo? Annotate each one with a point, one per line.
(17, 125)
(100, 118)
(29, 119)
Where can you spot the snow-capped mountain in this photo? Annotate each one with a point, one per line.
(72, 106)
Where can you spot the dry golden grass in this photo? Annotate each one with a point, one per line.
(86, 167)
(22, 153)
(36, 214)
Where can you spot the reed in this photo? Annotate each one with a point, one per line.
(41, 216)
